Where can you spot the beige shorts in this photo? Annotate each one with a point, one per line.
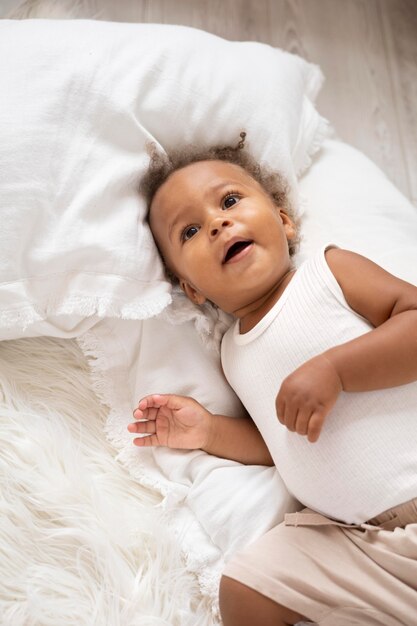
(338, 575)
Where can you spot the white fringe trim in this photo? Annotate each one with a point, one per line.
(210, 322)
(100, 306)
(315, 81)
(323, 131)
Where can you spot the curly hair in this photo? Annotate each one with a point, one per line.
(162, 165)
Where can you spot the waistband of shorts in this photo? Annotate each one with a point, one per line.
(397, 517)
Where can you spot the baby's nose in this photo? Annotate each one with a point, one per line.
(218, 224)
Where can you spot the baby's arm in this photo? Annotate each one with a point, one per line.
(384, 357)
(387, 356)
(182, 423)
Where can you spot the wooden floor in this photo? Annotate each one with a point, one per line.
(367, 50)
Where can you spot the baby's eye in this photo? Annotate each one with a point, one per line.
(188, 232)
(230, 200)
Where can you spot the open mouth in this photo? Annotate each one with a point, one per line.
(235, 249)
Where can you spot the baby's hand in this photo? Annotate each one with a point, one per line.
(307, 395)
(172, 421)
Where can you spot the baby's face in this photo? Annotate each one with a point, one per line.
(222, 235)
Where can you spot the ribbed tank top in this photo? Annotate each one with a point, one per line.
(365, 460)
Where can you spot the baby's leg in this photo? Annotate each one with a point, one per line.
(242, 606)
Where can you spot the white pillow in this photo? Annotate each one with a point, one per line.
(348, 200)
(80, 100)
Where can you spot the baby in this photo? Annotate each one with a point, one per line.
(324, 358)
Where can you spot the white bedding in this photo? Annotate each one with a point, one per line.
(69, 505)
(83, 98)
(234, 504)
(79, 537)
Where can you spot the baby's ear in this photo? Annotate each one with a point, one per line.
(192, 294)
(289, 226)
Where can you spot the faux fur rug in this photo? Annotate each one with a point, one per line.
(80, 541)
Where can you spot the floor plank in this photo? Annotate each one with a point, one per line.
(357, 96)
(399, 21)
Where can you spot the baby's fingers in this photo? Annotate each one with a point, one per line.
(158, 400)
(144, 442)
(148, 406)
(303, 418)
(142, 428)
(315, 424)
(155, 400)
(148, 414)
(148, 429)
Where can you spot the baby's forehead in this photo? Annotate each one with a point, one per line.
(205, 175)
(212, 166)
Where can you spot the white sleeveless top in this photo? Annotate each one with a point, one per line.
(365, 460)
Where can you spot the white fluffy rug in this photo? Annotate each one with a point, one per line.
(80, 541)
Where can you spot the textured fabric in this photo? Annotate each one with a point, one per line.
(365, 460)
(348, 199)
(80, 101)
(338, 576)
